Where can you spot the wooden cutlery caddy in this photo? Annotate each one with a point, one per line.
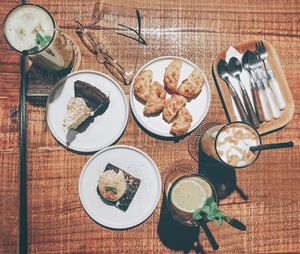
(286, 113)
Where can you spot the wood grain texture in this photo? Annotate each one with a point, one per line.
(9, 94)
(196, 30)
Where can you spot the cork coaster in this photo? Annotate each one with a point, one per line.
(195, 137)
(41, 81)
(177, 169)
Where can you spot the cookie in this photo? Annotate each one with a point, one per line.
(192, 85)
(112, 185)
(172, 106)
(156, 100)
(182, 122)
(132, 186)
(142, 85)
(171, 76)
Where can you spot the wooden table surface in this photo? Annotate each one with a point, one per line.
(196, 30)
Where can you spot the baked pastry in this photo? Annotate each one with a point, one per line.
(86, 103)
(182, 122)
(156, 100)
(77, 112)
(142, 84)
(112, 185)
(172, 106)
(172, 73)
(192, 85)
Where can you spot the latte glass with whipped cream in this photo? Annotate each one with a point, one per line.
(30, 29)
(230, 144)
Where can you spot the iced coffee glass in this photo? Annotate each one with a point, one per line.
(30, 30)
(230, 144)
(186, 194)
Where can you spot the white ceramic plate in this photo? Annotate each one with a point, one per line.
(198, 107)
(105, 129)
(136, 163)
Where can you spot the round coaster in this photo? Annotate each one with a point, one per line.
(194, 138)
(177, 169)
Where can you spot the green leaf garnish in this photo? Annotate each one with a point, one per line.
(209, 201)
(42, 41)
(112, 189)
(219, 218)
(38, 38)
(48, 38)
(205, 209)
(197, 214)
(209, 210)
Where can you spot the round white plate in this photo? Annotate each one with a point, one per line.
(105, 129)
(198, 107)
(136, 163)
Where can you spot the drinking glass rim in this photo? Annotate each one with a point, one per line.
(215, 144)
(41, 7)
(215, 193)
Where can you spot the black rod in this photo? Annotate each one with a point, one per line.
(23, 248)
(272, 146)
(209, 235)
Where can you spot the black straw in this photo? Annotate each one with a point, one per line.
(272, 146)
(208, 234)
(23, 248)
(235, 223)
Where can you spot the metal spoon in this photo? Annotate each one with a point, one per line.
(235, 69)
(223, 74)
(254, 87)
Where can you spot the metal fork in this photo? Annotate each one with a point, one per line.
(263, 55)
(264, 91)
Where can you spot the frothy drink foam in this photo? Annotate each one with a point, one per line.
(233, 144)
(23, 23)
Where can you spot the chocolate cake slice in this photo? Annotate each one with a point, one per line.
(85, 106)
(132, 185)
(94, 98)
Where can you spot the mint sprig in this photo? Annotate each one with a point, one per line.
(209, 210)
(112, 189)
(42, 40)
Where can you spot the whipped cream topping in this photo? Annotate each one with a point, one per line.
(233, 145)
(77, 112)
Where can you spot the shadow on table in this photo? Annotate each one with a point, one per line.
(222, 177)
(175, 236)
(41, 82)
(181, 238)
